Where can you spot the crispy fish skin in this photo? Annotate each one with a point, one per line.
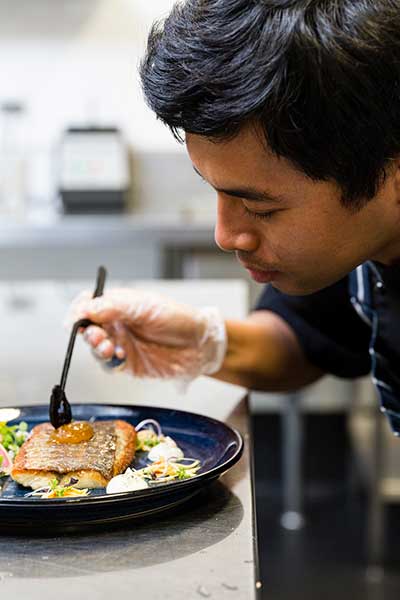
(92, 463)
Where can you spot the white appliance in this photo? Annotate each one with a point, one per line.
(94, 172)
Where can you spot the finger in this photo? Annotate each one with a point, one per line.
(105, 350)
(94, 335)
(120, 353)
(116, 363)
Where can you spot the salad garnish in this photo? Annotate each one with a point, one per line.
(166, 461)
(11, 439)
(162, 471)
(55, 490)
(149, 434)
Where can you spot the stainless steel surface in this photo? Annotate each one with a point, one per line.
(327, 395)
(376, 509)
(67, 231)
(71, 247)
(376, 452)
(292, 433)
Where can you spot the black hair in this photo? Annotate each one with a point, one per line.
(321, 77)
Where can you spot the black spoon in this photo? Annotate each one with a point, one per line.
(60, 409)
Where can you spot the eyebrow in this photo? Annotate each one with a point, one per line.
(245, 192)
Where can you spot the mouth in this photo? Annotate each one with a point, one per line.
(261, 275)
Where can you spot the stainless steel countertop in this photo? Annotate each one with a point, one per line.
(205, 550)
(139, 246)
(61, 230)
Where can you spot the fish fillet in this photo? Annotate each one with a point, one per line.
(93, 463)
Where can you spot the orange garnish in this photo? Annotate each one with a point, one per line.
(73, 433)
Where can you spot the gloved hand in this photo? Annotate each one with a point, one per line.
(155, 336)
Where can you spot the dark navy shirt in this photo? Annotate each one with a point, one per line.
(351, 328)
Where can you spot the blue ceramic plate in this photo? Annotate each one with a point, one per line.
(215, 444)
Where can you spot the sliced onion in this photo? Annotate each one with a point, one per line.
(194, 462)
(37, 492)
(156, 425)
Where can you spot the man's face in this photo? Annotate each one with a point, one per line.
(286, 228)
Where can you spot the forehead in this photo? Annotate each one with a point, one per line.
(243, 160)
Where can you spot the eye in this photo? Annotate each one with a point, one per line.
(259, 216)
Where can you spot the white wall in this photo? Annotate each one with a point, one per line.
(76, 60)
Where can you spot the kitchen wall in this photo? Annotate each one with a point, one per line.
(76, 61)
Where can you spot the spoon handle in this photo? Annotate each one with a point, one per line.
(82, 323)
(100, 282)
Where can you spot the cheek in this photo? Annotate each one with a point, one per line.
(302, 247)
(290, 242)
(316, 228)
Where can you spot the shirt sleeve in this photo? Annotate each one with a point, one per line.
(331, 333)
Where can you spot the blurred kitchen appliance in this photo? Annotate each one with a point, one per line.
(94, 172)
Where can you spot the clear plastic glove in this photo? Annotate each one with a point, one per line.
(154, 336)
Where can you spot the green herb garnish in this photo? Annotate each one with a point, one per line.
(13, 436)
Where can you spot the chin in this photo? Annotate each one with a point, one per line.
(296, 289)
(296, 285)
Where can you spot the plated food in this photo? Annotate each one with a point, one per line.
(82, 456)
(214, 443)
(91, 463)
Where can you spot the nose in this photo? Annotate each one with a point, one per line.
(232, 230)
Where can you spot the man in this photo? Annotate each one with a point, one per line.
(290, 110)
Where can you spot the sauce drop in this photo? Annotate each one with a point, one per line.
(73, 433)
